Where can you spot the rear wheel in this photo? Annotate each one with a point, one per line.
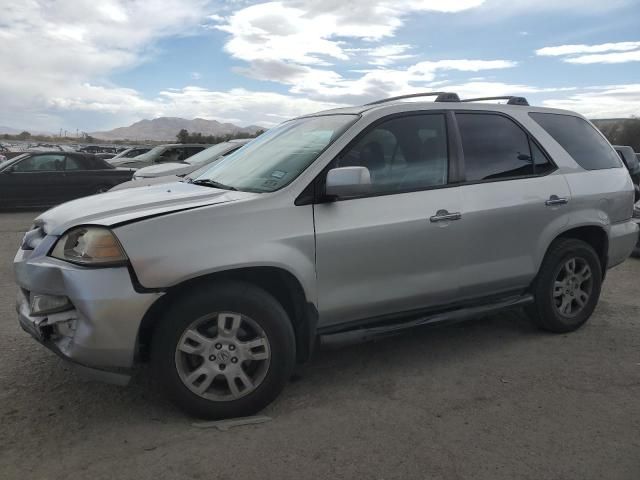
(224, 351)
(568, 286)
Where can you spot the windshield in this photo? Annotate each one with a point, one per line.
(155, 151)
(209, 153)
(277, 157)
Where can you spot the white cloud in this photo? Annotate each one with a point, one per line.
(315, 33)
(52, 55)
(620, 52)
(563, 50)
(379, 83)
(612, 101)
(388, 54)
(622, 57)
(239, 105)
(326, 52)
(196, 76)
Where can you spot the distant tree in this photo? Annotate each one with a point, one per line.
(622, 131)
(183, 136)
(24, 135)
(89, 139)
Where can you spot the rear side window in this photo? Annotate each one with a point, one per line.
(496, 147)
(581, 140)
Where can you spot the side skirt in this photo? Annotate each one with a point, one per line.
(364, 332)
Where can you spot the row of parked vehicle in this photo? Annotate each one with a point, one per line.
(45, 178)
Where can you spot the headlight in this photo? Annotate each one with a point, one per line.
(89, 246)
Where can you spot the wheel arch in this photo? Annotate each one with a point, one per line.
(593, 234)
(276, 281)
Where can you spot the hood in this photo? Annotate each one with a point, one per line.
(126, 205)
(163, 169)
(145, 182)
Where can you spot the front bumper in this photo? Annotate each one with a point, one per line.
(100, 331)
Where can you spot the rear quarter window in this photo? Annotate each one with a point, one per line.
(580, 139)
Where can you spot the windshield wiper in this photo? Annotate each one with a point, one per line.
(213, 184)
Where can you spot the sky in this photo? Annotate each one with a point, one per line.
(95, 65)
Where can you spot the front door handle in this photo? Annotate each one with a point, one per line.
(555, 200)
(444, 216)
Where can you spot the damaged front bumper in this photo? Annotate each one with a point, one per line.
(98, 332)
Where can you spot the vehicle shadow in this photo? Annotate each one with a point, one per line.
(333, 375)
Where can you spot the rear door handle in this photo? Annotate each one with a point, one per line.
(444, 216)
(555, 200)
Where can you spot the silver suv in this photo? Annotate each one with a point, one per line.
(368, 219)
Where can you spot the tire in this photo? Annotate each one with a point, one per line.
(560, 306)
(258, 320)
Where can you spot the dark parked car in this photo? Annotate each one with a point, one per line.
(44, 179)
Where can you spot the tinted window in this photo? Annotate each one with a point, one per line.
(41, 163)
(494, 147)
(582, 141)
(541, 163)
(73, 163)
(402, 154)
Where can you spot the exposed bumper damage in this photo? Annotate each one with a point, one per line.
(98, 331)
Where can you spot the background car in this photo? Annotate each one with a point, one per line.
(44, 179)
(630, 160)
(170, 153)
(182, 171)
(205, 157)
(130, 153)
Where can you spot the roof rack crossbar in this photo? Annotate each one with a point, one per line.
(440, 97)
(511, 100)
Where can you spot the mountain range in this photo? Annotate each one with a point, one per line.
(166, 128)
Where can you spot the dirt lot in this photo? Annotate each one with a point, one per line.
(490, 399)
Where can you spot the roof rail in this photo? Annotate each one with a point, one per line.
(440, 97)
(511, 100)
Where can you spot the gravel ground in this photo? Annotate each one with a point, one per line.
(490, 399)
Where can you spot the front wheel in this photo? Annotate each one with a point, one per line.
(568, 286)
(225, 351)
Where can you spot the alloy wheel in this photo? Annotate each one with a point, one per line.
(572, 287)
(223, 356)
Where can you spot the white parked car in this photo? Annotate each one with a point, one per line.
(175, 171)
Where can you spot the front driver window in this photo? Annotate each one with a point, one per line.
(41, 163)
(402, 154)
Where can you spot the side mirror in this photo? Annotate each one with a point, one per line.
(348, 182)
